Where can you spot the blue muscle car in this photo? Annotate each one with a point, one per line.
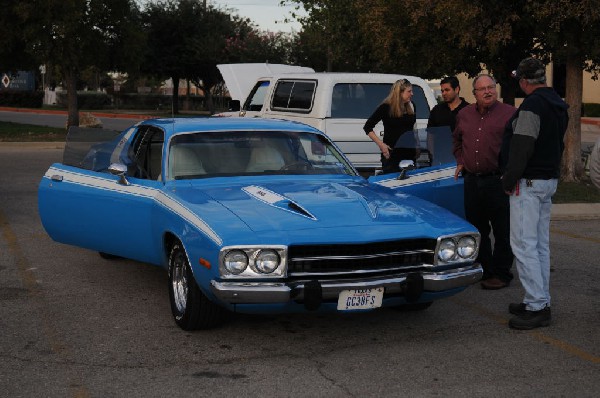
(260, 216)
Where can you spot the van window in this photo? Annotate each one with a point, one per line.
(255, 100)
(294, 95)
(359, 100)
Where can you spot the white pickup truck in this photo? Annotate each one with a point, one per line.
(335, 103)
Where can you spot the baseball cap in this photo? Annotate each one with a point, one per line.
(530, 68)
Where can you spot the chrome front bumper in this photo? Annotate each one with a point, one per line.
(274, 292)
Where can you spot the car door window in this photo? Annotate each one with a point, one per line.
(256, 98)
(359, 100)
(146, 154)
(294, 95)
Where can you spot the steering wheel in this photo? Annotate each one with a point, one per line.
(297, 165)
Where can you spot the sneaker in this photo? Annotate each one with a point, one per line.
(517, 308)
(531, 319)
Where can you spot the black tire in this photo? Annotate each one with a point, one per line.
(191, 308)
(414, 306)
(108, 256)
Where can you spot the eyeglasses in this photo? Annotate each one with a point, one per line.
(486, 88)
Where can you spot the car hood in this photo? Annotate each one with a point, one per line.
(351, 206)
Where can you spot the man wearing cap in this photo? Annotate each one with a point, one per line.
(477, 139)
(531, 152)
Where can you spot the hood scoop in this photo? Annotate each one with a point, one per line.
(274, 199)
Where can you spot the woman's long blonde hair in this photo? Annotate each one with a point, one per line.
(394, 99)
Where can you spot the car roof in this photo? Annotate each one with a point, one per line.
(347, 77)
(205, 124)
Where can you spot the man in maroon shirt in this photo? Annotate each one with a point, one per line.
(477, 139)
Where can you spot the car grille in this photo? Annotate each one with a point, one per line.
(368, 259)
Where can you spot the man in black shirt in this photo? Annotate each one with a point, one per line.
(444, 114)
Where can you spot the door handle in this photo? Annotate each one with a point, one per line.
(57, 178)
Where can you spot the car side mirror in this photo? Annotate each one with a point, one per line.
(234, 106)
(119, 169)
(405, 165)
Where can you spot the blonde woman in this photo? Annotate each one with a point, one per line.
(397, 113)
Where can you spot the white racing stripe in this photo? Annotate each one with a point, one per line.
(419, 178)
(163, 199)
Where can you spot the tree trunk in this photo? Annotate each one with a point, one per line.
(72, 106)
(572, 166)
(186, 101)
(175, 97)
(509, 92)
(208, 99)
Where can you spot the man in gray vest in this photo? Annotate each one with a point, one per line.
(531, 152)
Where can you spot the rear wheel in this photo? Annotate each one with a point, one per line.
(191, 308)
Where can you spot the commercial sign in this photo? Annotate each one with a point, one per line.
(20, 81)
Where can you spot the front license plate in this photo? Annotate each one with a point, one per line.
(360, 299)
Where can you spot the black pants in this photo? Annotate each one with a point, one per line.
(487, 208)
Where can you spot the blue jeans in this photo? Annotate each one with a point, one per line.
(530, 239)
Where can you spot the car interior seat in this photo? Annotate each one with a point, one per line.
(184, 161)
(264, 158)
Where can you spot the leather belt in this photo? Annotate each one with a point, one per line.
(485, 175)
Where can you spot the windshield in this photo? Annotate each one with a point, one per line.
(226, 153)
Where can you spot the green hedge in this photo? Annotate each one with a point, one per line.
(591, 110)
(86, 100)
(155, 101)
(21, 99)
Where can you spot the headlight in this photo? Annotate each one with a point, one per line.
(457, 248)
(253, 262)
(235, 261)
(466, 247)
(447, 250)
(266, 261)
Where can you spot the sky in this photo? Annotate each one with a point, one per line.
(262, 13)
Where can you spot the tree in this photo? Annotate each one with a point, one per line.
(428, 39)
(570, 34)
(167, 29)
(332, 38)
(13, 53)
(74, 35)
(210, 47)
(256, 46)
(186, 41)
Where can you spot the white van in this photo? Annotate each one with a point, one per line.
(336, 103)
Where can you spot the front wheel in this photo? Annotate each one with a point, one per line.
(191, 308)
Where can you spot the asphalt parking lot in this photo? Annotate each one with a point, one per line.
(73, 324)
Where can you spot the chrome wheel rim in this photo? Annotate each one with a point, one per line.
(179, 282)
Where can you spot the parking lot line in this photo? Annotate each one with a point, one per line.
(575, 236)
(556, 343)
(36, 294)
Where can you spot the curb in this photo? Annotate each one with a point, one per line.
(589, 120)
(575, 211)
(96, 114)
